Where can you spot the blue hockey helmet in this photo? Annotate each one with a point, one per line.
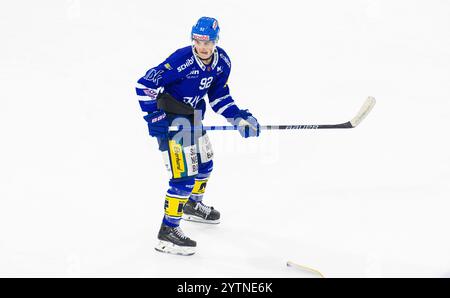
(206, 29)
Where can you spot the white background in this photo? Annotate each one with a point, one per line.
(82, 184)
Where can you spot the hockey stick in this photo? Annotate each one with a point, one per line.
(362, 113)
(304, 268)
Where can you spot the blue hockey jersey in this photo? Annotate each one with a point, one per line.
(184, 76)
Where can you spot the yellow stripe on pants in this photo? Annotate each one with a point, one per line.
(177, 159)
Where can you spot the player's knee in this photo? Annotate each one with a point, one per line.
(183, 186)
(205, 169)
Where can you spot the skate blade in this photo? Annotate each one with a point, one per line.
(170, 248)
(199, 219)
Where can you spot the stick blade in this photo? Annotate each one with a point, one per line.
(364, 111)
(304, 268)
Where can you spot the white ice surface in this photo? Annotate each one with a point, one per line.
(82, 184)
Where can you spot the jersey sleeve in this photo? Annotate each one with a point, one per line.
(154, 80)
(220, 98)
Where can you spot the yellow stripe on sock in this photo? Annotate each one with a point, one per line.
(199, 186)
(174, 206)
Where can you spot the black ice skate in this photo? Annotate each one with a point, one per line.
(199, 212)
(173, 241)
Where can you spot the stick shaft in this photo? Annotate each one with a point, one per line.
(362, 113)
(270, 127)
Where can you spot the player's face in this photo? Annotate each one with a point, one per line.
(204, 48)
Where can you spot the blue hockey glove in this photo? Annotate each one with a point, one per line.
(158, 125)
(248, 125)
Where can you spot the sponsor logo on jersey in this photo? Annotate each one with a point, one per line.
(219, 69)
(227, 61)
(193, 74)
(200, 36)
(186, 64)
(168, 66)
(151, 92)
(193, 101)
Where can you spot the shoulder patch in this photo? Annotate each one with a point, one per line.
(179, 60)
(153, 75)
(225, 58)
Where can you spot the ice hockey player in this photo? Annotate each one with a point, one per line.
(173, 94)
